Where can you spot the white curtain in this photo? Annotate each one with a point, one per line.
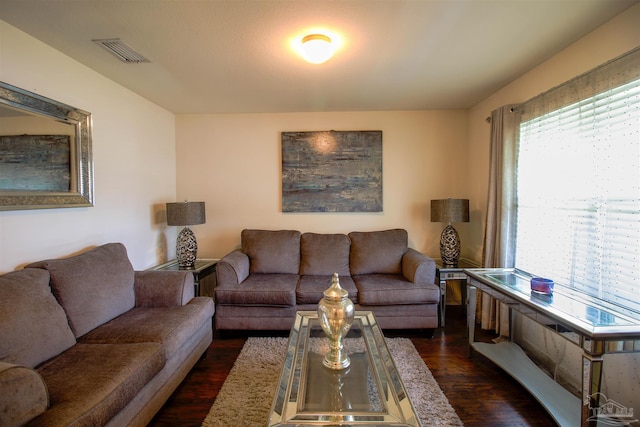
(499, 238)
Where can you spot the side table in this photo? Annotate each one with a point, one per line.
(452, 272)
(201, 269)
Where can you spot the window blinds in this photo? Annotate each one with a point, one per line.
(578, 183)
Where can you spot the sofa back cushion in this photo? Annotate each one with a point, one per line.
(377, 252)
(93, 287)
(324, 254)
(272, 251)
(33, 326)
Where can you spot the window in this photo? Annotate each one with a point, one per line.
(578, 184)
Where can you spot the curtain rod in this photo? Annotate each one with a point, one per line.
(488, 119)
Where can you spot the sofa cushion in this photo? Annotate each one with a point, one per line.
(261, 289)
(272, 251)
(377, 251)
(33, 326)
(105, 378)
(169, 326)
(393, 289)
(310, 288)
(93, 287)
(324, 254)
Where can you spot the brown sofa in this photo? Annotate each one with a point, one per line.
(276, 273)
(87, 341)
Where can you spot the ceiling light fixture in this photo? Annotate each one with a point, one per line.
(317, 48)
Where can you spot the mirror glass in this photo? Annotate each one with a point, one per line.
(45, 152)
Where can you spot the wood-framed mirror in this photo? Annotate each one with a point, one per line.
(45, 152)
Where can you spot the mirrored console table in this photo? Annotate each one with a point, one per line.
(594, 325)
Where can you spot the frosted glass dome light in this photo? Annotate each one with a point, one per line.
(317, 48)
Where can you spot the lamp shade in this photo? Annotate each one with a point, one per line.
(450, 210)
(185, 213)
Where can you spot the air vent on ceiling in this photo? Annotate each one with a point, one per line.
(121, 50)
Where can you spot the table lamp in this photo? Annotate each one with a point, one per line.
(186, 214)
(450, 210)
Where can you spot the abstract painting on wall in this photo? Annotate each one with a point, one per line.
(35, 163)
(332, 171)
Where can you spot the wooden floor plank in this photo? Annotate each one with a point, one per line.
(480, 392)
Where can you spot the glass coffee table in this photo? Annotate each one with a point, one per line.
(368, 392)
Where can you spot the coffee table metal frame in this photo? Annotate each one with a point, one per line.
(303, 393)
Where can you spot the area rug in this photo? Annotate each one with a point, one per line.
(246, 396)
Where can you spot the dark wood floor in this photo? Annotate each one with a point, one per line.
(480, 392)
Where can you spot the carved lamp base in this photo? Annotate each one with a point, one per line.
(186, 248)
(449, 245)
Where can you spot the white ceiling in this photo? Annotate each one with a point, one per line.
(234, 56)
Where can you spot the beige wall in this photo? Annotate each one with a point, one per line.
(233, 163)
(621, 380)
(134, 154)
(612, 39)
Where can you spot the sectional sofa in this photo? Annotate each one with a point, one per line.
(87, 341)
(274, 273)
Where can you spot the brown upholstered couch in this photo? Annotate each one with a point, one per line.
(87, 341)
(275, 273)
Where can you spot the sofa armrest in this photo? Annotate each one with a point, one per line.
(23, 394)
(418, 268)
(156, 288)
(233, 268)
